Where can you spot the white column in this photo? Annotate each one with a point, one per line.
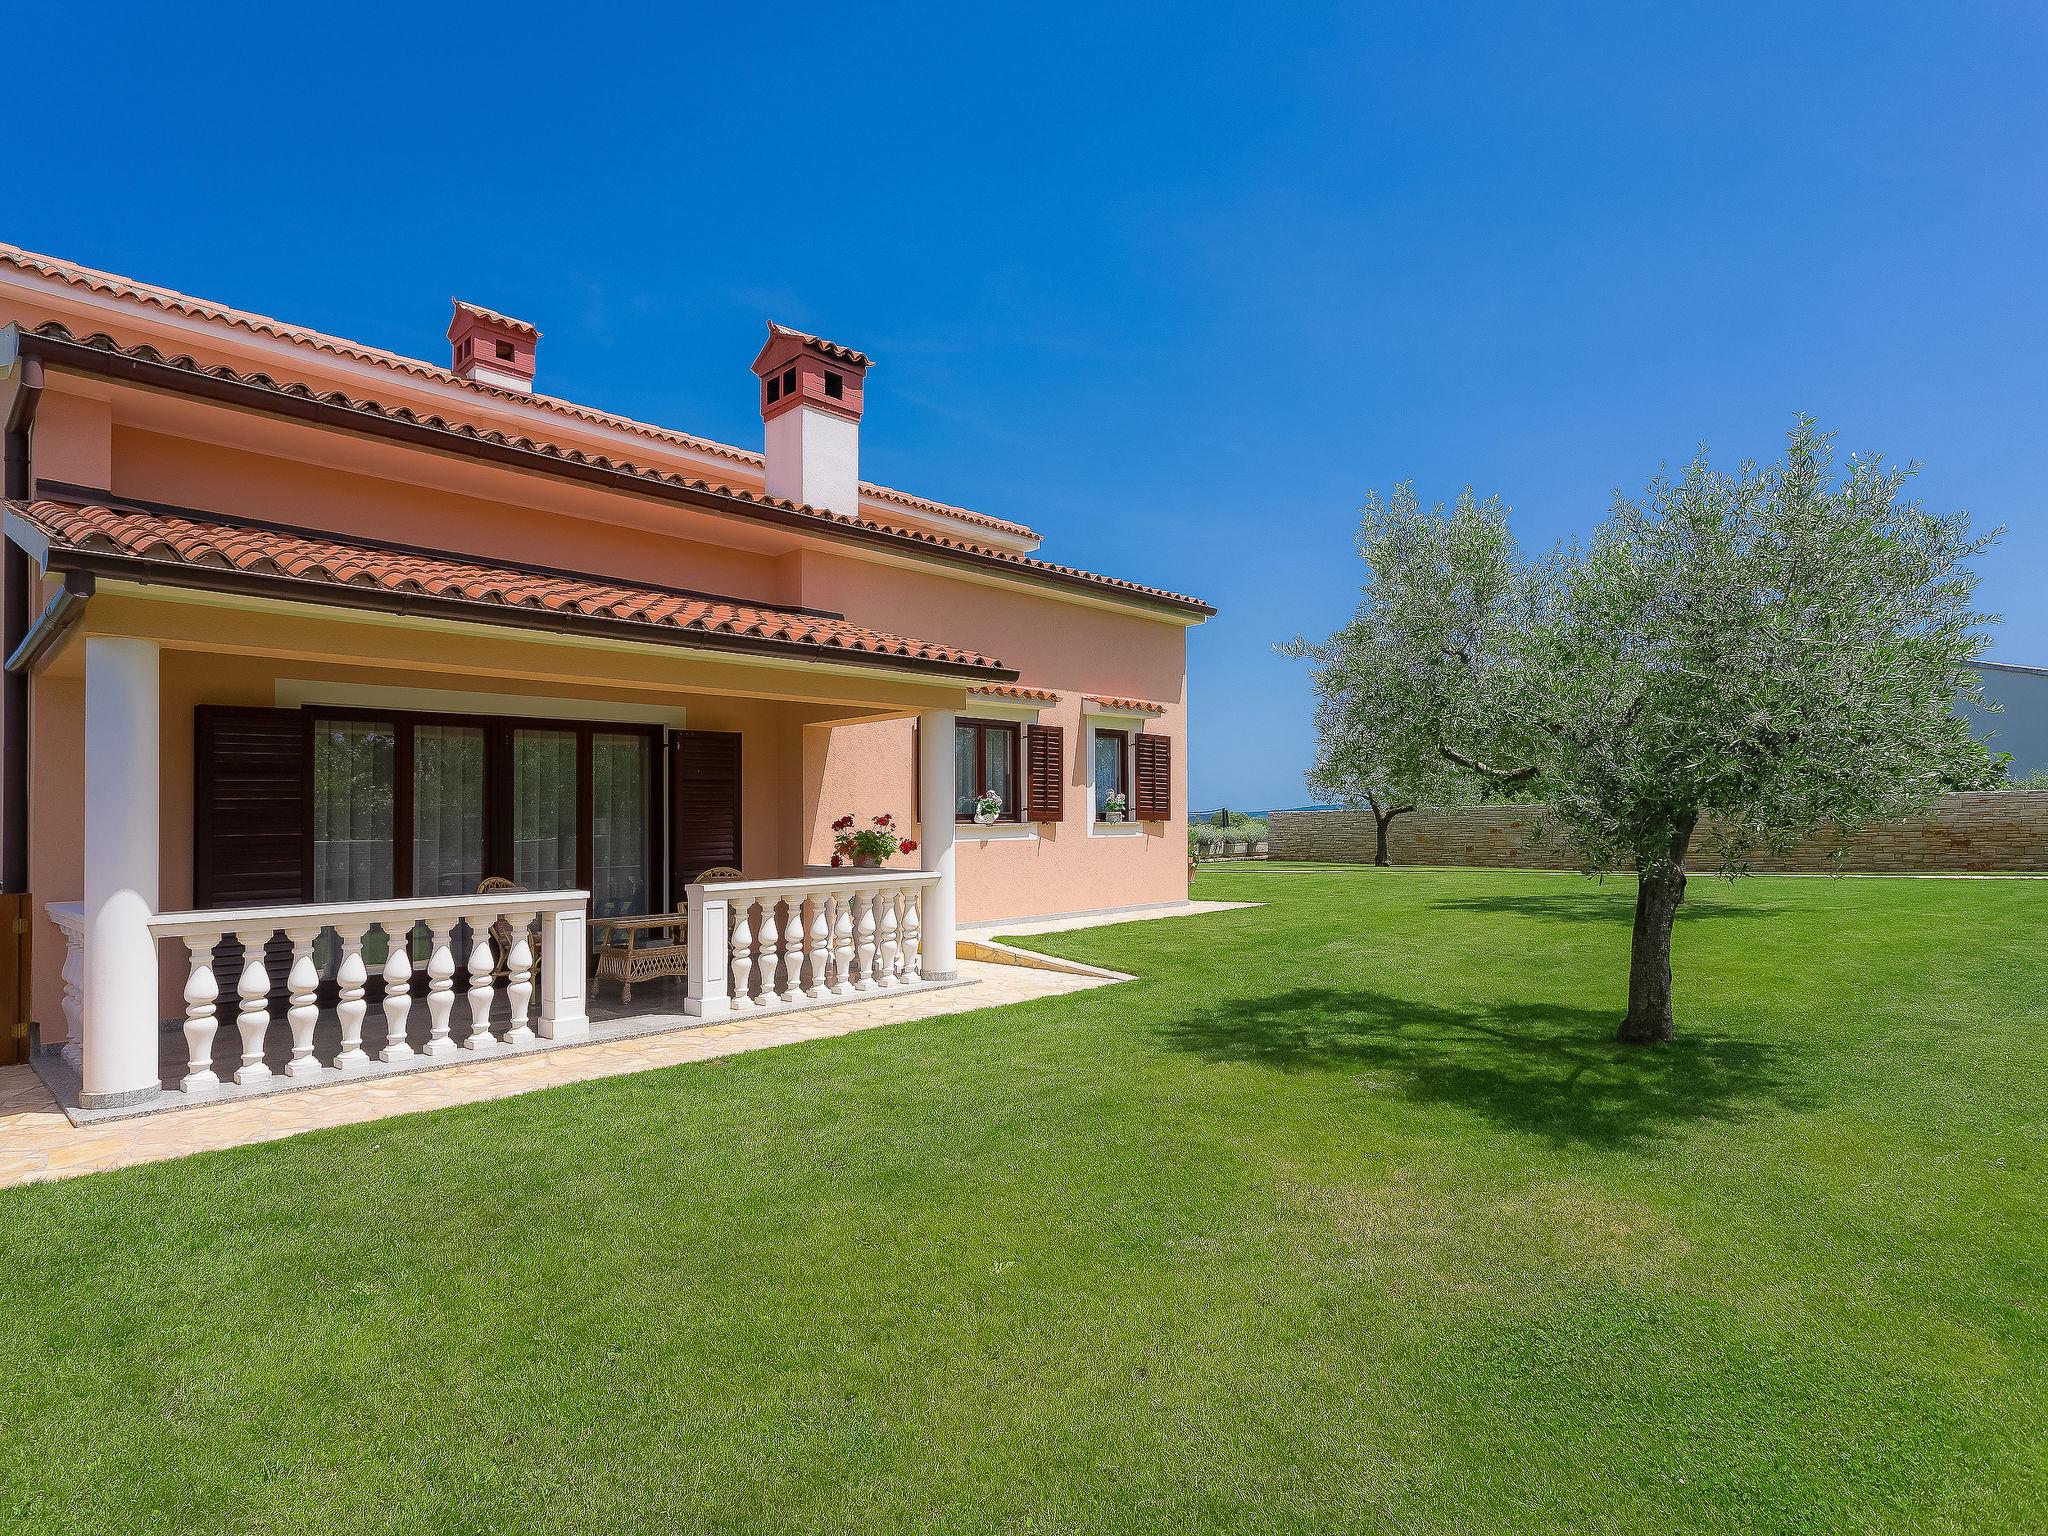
(121, 725)
(564, 955)
(709, 920)
(935, 842)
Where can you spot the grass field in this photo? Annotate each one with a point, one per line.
(1346, 1216)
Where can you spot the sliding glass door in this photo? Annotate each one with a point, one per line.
(432, 805)
(544, 809)
(621, 823)
(448, 809)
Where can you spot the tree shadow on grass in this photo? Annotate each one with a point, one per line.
(1537, 1068)
(1614, 902)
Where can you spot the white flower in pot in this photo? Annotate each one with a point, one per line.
(1113, 805)
(988, 809)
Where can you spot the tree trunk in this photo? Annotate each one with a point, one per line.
(1660, 887)
(1382, 820)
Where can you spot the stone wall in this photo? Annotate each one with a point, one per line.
(1992, 830)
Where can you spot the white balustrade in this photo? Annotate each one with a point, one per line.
(561, 919)
(767, 943)
(753, 945)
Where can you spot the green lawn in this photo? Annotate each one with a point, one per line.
(1346, 1216)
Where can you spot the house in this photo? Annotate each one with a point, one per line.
(353, 701)
(2019, 724)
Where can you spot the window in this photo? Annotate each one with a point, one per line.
(835, 387)
(774, 390)
(544, 810)
(622, 773)
(984, 762)
(789, 381)
(410, 804)
(447, 810)
(1111, 754)
(504, 351)
(354, 797)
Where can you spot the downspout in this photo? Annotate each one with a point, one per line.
(52, 624)
(22, 378)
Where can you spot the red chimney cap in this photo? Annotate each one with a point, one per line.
(490, 348)
(477, 314)
(783, 339)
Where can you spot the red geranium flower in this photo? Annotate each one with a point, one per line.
(909, 846)
(837, 861)
(842, 824)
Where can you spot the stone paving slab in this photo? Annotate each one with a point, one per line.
(38, 1141)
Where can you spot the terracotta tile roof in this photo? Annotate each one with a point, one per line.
(962, 514)
(735, 496)
(174, 302)
(523, 327)
(831, 349)
(1015, 691)
(1124, 706)
(179, 538)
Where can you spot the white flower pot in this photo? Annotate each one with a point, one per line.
(986, 818)
(1112, 815)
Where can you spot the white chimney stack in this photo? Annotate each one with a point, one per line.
(810, 408)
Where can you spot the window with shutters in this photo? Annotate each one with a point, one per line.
(984, 763)
(1112, 776)
(1153, 798)
(342, 804)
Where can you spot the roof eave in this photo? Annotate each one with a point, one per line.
(142, 571)
(153, 373)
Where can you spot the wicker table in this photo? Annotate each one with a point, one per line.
(633, 949)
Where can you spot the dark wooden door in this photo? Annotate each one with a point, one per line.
(704, 804)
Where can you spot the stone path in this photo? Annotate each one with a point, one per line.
(38, 1141)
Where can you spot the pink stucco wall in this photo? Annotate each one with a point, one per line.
(802, 768)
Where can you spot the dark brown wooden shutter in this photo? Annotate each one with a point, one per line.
(252, 824)
(704, 785)
(252, 811)
(1155, 778)
(1045, 776)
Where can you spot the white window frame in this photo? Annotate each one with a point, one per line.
(1130, 724)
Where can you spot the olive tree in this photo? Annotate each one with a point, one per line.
(1778, 649)
(1376, 741)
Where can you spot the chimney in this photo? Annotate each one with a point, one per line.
(491, 348)
(810, 409)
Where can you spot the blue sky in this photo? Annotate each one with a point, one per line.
(1174, 286)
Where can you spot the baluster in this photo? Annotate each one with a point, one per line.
(397, 992)
(913, 935)
(253, 987)
(742, 952)
(304, 985)
(769, 953)
(519, 980)
(885, 945)
(864, 942)
(842, 943)
(201, 989)
(350, 978)
(440, 989)
(820, 948)
(483, 944)
(74, 999)
(793, 951)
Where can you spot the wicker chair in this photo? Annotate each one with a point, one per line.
(501, 931)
